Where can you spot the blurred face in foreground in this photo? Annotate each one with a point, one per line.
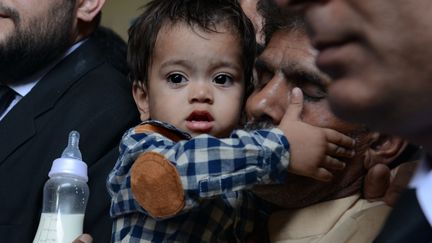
(377, 52)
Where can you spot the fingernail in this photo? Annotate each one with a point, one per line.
(341, 166)
(296, 91)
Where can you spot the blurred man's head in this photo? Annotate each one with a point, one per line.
(289, 61)
(377, 52)
(33, 33)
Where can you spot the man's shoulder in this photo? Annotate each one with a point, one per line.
(86, 70)
(84, 87)
(89, 58)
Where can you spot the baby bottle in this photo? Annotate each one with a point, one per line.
(65, 197)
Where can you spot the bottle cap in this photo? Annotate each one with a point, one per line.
(70, 161)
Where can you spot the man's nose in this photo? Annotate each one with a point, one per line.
(201, 92)
(270, 102)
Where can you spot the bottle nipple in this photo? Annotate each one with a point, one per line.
(71, 159)
(72, 150)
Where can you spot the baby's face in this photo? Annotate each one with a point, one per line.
(196, 80)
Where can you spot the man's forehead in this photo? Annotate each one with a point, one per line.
(290, 38)
(271, 56)
(292, 54)
(288, 45)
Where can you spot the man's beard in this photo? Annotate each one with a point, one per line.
(261, 123)
(35, 43)
(299, 191)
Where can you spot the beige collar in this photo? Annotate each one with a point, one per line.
(319, 218)
(350, 219)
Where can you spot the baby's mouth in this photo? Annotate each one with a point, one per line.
(200, 121)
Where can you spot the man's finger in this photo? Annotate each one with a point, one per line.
(84, 238)
(400, 177)
(376, 182)
(295, 106)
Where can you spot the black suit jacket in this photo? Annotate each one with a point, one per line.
(406, 222)
(81, 93)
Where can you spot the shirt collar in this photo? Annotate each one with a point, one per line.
(293, 221)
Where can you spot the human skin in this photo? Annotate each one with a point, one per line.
(19, 15)
(34, 33)
(289, 61)
(32, 27)
(389, 40)
(201, 73)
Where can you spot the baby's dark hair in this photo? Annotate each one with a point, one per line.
(205, 14)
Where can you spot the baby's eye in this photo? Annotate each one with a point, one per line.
(176, 78)
(223, 80)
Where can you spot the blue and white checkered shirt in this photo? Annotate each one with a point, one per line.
(214, 173)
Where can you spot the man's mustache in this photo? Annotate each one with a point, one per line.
(261, 123)
(10, 12)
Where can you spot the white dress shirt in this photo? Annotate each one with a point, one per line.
(422, 181)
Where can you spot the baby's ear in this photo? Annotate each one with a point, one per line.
(386, 148)
(140, 94)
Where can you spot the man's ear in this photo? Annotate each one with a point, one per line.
(385, 148)
(88, 9)
(140, 95)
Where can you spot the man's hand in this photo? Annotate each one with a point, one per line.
(84, 238)
(315, 151)
(384, 184)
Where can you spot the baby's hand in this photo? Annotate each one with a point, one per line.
(314, 150)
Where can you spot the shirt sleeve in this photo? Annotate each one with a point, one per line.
(207, 166)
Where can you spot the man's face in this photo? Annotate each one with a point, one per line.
(32, 34)
(377, 52)
(289, 61)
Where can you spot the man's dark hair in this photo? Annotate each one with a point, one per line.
(276, 18)
(204, 14)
